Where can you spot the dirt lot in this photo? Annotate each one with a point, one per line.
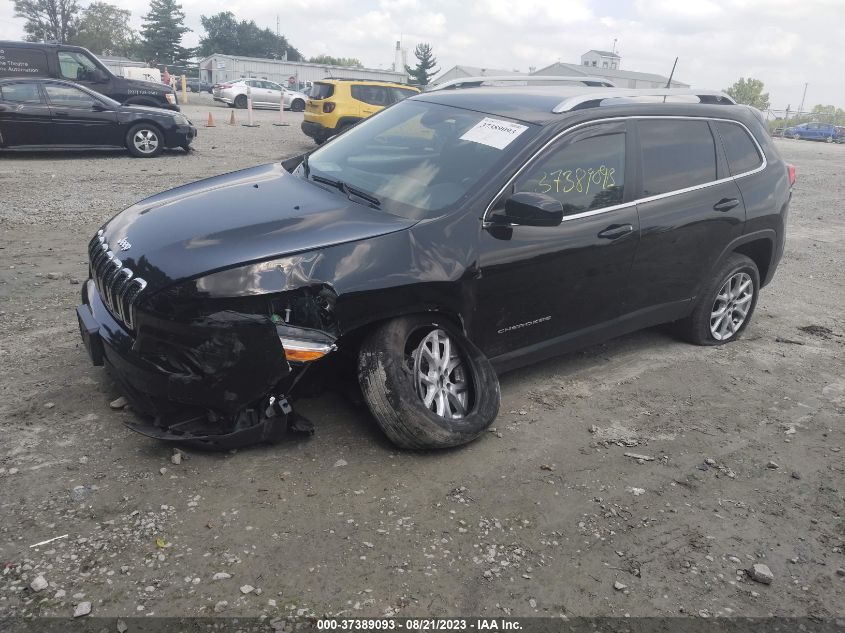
(540, 517)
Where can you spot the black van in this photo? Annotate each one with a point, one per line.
(77, 64)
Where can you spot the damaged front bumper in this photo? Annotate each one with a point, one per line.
(221, 380)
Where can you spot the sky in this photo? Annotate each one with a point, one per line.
(785, 43)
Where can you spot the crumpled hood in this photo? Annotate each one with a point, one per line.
(234, 219)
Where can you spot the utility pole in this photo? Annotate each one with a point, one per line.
(613, 50)
(801, 107)
(278, 31)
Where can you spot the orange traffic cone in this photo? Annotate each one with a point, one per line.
(210, 122)
(232, 118)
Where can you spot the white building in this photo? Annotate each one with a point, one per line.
(601, 59)
(218, 68)
(621, 78)
(457, 72)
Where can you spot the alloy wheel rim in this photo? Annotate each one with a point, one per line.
(440, 376)
(730, 309)
(146, 141)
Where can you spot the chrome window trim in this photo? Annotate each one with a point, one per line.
(485, 223)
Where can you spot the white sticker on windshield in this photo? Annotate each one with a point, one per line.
(494, 132)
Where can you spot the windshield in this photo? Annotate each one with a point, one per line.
(419, 159)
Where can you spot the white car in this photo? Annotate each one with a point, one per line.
(265, 94)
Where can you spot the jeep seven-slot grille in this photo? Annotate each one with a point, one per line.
(119, 288)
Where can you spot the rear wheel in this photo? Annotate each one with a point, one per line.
(145, 140)
(240, 101)
(427, 385)
(724, 309)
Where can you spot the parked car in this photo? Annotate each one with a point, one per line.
(265, 94)
(192, 84)
(48, 114)
(455, 234)
(814, 132)
(335, 105)
(79, 65)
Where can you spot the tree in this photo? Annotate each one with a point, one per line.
(162, 32)
(750, 92)
(48, 20)
(104, 30)
(422, 74)
(350, 62)
(225, 35)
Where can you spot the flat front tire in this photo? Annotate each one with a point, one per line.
(426, 384)
(726, 304)
(145, 140)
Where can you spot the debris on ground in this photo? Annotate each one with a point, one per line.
(638, 457)
(83, 608)
(38, 583)
(761, 573)
(119, 403)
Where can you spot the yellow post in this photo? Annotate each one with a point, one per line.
(184, 89)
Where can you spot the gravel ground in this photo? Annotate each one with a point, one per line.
(550, 513)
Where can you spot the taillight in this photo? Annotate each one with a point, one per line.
(791, 170)
(328, 106)
(224, 86)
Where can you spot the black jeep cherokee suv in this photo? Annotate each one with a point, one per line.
(454, 234)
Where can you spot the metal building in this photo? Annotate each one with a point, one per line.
(218, 68)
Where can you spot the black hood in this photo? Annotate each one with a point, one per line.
(234, 219)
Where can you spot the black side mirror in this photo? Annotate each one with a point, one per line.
(100, 76)
(531, 209)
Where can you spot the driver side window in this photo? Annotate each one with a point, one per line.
(75, 67)
(586, 172)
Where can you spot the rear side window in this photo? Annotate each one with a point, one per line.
(22, 62)
(402, 93)
(740, 149)
(675, 155)
(322, 91)
(374, 95)
(20, 93)
(68, 96)
(585, 174)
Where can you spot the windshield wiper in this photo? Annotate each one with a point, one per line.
(349, 191)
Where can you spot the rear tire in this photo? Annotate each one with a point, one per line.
(145, 140)
(241, 102)
(402, 358)
(725, 306)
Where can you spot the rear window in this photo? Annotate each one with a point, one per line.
(322, 91)
(740, 149)
(25, 62)
(20, 93)
(374, 95)
(676, 155)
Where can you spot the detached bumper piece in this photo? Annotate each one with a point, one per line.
(252, 426)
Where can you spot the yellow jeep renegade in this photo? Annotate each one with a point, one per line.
(338, 104)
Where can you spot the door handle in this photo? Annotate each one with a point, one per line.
(60, 112)
(726, 204)
(615, 231)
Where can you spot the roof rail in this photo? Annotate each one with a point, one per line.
(473, 82)
(704, 96)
